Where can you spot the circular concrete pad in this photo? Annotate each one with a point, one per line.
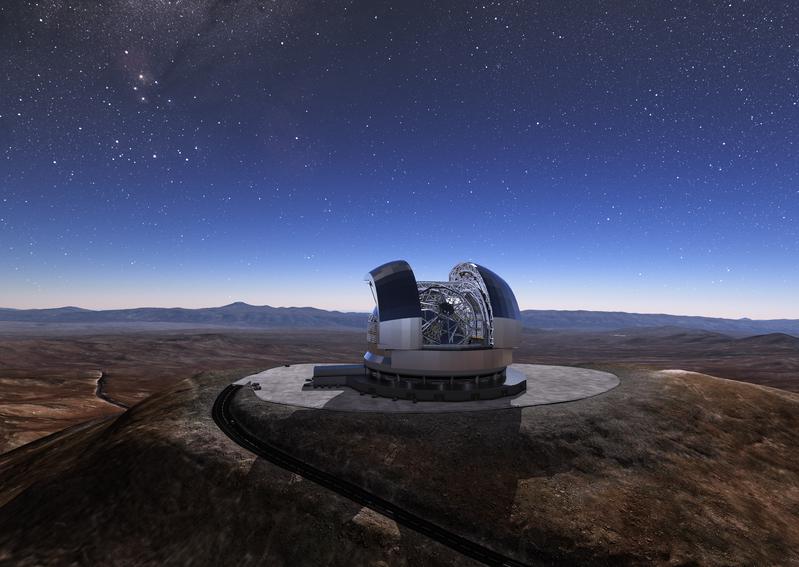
(545, 385)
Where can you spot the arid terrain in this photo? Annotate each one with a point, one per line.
(49, 382)
(49, 373)
(162, 485)
(769, 360)
(669, 468)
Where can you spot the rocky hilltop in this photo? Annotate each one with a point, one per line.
(668, 468)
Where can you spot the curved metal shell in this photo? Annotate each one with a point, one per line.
(506, 324)
(399, 311)
(503, 300)
(395, 291)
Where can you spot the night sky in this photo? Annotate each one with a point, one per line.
(637, 156)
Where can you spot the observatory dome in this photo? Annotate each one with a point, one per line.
(447, 340)
(466, 325)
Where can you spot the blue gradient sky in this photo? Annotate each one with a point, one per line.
(620, 156)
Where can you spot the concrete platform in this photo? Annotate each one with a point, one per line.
(545, 385)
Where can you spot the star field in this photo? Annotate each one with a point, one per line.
(607, 155)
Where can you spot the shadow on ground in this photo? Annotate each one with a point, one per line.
(666, 468)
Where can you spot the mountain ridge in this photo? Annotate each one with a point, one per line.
(233, 314)
(243, 314)
(612, 320)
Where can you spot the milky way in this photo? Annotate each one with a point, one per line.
(616, 155)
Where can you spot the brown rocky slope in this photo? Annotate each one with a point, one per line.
(668, 468)
(161, 485)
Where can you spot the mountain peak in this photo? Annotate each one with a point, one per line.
(237, 304)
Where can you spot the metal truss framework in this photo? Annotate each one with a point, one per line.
(454, 313)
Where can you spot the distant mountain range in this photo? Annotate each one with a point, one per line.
(234, 315)
(254, 316)
(612, 320)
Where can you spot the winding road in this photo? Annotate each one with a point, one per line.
(99, 391)
(226, 422)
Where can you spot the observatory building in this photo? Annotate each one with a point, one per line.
(436, 341)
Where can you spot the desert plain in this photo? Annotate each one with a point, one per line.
(49, 373)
